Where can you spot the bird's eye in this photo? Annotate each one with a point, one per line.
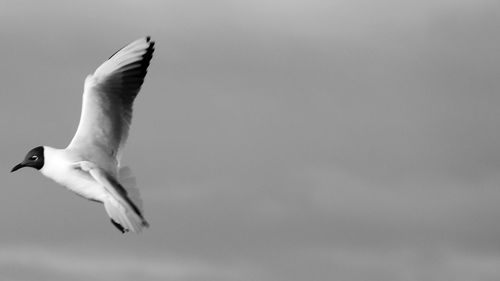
(34, 158)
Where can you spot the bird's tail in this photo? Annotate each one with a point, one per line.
(124, 217)
(124, 213)
(127, 180)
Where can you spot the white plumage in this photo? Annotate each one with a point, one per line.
(90, 164)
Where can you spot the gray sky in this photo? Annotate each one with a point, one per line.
(272, 140)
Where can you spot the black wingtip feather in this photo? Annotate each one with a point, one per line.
(134, 73)
(148, 39)
(119, 226)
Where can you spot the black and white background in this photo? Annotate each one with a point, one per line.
(272, 140)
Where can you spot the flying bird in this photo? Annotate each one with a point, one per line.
(90, 164)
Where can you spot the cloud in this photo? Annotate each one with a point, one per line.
(428, 262)
(79, 263)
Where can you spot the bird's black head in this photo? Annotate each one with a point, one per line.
(33, 159)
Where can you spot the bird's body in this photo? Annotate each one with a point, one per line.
(90, 164)
(59, 166)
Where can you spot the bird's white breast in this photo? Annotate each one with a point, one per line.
(58, 166)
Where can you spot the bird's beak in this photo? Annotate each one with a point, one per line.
(18, 166)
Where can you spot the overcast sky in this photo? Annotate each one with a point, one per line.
(272, 140)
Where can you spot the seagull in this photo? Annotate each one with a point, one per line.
(90, 164)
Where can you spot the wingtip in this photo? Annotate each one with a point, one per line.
(150, 41)
(124, 230)
(119, 226)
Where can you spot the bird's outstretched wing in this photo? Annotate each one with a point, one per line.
(108, 97)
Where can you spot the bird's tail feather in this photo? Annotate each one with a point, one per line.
(127, 180)
(124, 213)
(124, 217)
